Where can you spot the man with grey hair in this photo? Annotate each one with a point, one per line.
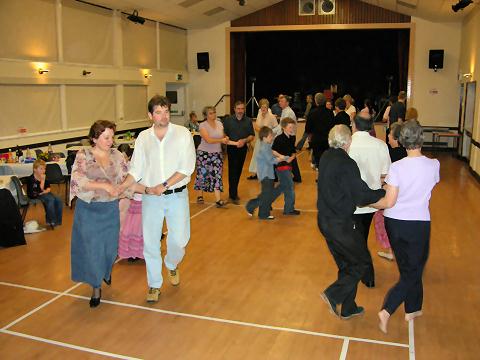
(340, 190)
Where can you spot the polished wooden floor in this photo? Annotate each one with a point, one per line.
(249, 290)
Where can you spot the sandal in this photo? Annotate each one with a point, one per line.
(200, 200)
(220, 203)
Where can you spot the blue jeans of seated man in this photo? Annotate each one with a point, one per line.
(174, 208)
(53, 208)
(286, 187)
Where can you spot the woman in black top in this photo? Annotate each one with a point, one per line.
(397, 151)
(39, 188)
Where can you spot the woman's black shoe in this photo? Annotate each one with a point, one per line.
(109, 281)
(95, 301)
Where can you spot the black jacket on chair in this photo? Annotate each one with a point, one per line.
(11, 226)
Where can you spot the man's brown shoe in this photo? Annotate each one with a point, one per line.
(153, 294)
(174, 277)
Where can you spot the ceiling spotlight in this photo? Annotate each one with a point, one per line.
(241, 2)
(147, 75)
(43, 71)
(461, 5)
(135, 18)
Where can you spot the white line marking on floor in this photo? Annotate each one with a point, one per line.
(40, 307)
(202, 211)
(70, 346)
(343, 354)
(411, 341)
(220, 320)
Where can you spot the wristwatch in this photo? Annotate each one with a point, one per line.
(165, 185)
(146, 190)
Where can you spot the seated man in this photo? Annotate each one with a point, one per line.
(39, 188)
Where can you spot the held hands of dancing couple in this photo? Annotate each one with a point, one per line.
(157, 190)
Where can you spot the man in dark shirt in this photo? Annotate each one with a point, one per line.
(397, 111)
(319, 123)
(342, 117)
(238, 128)
(284, 145)
(340, 190)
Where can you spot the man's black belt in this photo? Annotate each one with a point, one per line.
(177, 190)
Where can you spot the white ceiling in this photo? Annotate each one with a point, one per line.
(434, 10)
(193, 16)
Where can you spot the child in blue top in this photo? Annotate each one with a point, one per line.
(265, 161)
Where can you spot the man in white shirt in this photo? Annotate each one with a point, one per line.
(373, 160)
(163, 160)
(287, 112)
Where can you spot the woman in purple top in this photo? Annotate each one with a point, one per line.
(409, 184)
(210, 157)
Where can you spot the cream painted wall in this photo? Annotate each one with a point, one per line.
(205, 88)
(440, 109)
(470, 63)
(17, 67)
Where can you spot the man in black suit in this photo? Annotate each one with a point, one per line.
(319, 123)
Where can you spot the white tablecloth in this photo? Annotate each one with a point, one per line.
(23, 170)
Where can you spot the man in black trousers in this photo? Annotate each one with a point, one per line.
(340, 190)
(238, 128)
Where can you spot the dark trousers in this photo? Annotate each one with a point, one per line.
(346, 245)
(410, 243)
(297, 177)
(53, 208)
(362, 223)
(264, 200)
(236, 159)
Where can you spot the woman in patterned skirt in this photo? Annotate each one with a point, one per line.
(210, 157)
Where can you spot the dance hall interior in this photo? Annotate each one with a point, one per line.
(166, 168)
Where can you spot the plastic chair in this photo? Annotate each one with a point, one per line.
(23, 201)
(54, 175)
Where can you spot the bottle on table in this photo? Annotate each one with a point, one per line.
(50, 149)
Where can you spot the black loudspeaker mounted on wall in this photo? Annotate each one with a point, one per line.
(435, 59)
(203, 61)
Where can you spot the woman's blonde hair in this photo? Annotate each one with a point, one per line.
(263, 102)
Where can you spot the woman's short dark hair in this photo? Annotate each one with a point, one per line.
(411, 135)
(395, 130)
(98, 128)
(341, 104)
(264, 132)
(362, 124)
(158, 100)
